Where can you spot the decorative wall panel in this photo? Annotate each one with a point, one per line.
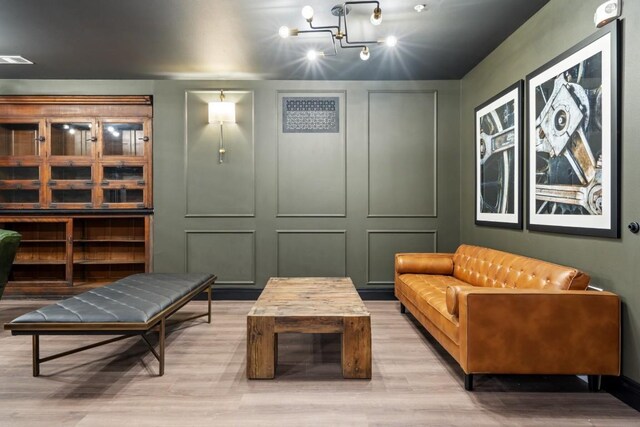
(312, 253)
(229, 254)
(382, 245)
(402, 154)
(312, 165)
(213, 189)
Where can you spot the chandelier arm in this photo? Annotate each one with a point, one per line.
(377, 3)
(357, 46)
(346, 31)
(328, 27)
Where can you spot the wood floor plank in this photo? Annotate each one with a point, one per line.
(414, 382)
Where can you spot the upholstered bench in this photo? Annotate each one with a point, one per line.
(131, 306)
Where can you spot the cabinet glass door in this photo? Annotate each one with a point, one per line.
(123, 139)
(19, 139)
(19, 173)
(72, 138)
(19, 185)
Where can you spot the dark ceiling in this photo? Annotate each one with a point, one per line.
(237, 39)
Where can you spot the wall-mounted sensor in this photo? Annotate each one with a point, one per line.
(634, 227)
(607, 12)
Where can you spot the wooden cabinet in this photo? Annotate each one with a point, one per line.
(76, 182)
(75, 152)
(66, 255)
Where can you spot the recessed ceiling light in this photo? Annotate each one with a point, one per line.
(419, 7)
(13, 59)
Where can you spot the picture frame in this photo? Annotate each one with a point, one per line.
(498, 130)
(572, 155)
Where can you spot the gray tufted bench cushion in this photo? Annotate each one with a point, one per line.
(134, 299)
(136, 305)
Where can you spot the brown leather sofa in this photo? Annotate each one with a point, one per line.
(500, 313)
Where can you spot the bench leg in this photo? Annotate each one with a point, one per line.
(161, 349)
(35, 343)
(209, 303)
(402, 308)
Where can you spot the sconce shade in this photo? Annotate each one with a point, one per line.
(222, 112)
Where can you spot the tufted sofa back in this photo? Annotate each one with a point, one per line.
(486, 267)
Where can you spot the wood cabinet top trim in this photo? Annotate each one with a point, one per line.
(77, 99)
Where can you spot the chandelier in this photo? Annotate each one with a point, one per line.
(339, 33)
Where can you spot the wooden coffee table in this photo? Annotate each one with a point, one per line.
(312, 306)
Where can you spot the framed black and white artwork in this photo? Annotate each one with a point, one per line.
(498, 157)
(572, 134)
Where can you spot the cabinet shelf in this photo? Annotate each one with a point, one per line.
(107, 261)
(109, 241)
(43, 241)
(36, 283)
(40, 262)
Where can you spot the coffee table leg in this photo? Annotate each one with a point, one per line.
(356, 347)
(261, 347)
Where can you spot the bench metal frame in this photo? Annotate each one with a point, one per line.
(157, 323)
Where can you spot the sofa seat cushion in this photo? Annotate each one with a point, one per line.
(429, 294)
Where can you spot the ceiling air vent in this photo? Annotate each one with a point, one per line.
(13, 59)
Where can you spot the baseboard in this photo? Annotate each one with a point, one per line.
(625, 389)
(236, 294)
(253, 294)
(377, 294)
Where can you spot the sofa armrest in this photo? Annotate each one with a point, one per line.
(424, 263)
(535, 331)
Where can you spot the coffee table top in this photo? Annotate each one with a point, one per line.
(309, 296)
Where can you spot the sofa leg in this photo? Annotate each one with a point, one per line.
(595, 382)
(468, 382)
(403, 309)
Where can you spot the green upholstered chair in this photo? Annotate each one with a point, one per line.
(9, 241)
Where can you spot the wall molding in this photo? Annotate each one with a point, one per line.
(253, 253)
(435, 156)
(186, 154)
(368, 250)
(343, 113)
(281, 232)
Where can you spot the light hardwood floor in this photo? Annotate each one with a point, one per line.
(415, 383)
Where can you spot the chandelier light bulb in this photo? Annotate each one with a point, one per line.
(391, 41)
(307, 13)
(284, 32)
(376, 16)
(364, 53)
(312, 55)
(72, 131)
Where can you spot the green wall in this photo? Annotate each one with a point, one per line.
(305, 204)
(614, 264)
(296, 204)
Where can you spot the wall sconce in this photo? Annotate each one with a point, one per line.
(221, 112)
